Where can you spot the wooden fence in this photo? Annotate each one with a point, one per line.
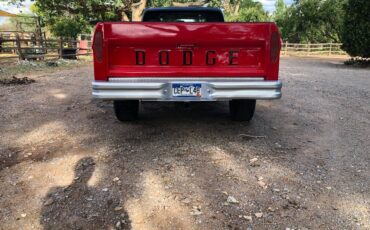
(34, 49)
(312, 49)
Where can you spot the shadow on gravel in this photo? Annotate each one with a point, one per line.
(80, 206)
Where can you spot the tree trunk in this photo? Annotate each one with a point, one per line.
(124, 17)
(138, 9)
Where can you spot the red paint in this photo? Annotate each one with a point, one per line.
(151, 49)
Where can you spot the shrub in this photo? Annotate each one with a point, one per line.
(356, 28)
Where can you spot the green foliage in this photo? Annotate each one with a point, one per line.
(245, 11)
(280, 13)
(68, 27)
(312, 21)
(356, 28)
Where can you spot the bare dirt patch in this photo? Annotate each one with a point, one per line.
(302, 163)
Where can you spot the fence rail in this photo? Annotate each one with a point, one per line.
(312, 48)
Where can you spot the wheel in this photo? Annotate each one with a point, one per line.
(126, 110)
(242, 110)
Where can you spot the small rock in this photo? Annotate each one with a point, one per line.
(276, 190)
(262, 184)
(278, 145)
(253, 160)
(186, 201)
(118, 224)
(105, 189)
(249, 218)
(115, 179)
(270, 209)
(49, 201)
(258, 214)
(196, 211)
(225, 193)
(23, 215)
(328, 188)
(232, 200)
(118, 208)
(259, 178)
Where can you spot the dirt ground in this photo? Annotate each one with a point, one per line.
(302, 163)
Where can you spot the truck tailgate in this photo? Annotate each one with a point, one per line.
(148, 49)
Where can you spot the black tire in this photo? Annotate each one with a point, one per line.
(242, 110)
(126, 110)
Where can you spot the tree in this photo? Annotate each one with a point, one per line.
(310, 20)
(69, 18)
(356, 28)
(244, 11)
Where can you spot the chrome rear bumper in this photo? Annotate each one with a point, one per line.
(159, 89)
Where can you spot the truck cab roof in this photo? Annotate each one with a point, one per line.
(183, 14)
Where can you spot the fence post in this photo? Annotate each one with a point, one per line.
(19, 48)
(286, 47)
(330, 47)
(60, 48)
(308, 48)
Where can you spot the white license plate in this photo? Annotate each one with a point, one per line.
(186, 89)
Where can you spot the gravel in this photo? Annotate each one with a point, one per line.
(177, 165)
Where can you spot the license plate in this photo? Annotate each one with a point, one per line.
(186, 89)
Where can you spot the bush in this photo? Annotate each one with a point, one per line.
(68, 27)
(356, 28)
(358, 62)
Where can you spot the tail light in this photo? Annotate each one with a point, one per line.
(274, 46)
(98, 46)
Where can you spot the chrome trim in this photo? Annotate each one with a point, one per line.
(185, 79)
(159, 89)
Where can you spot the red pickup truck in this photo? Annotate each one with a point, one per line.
(186, 54)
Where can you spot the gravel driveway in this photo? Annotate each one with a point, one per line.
(302, 163)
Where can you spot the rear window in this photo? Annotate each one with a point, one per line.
(183, 16)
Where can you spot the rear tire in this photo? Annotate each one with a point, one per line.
(126, 110)
(242, 110)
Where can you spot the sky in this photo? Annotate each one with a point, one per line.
(268, 5)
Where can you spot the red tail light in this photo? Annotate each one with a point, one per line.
(98, 46)
(274, 46)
